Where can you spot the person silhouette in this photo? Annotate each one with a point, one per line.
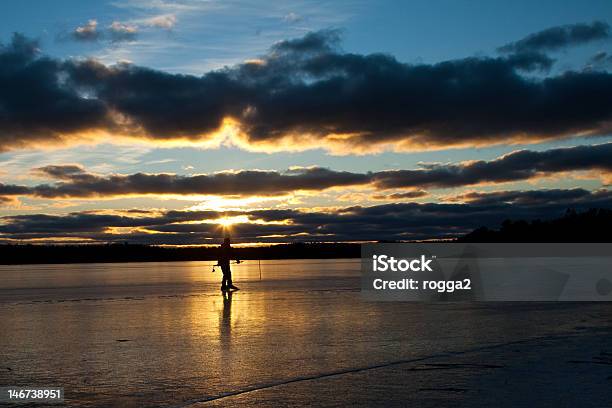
(225, 256)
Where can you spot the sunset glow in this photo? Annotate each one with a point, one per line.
(144, 131)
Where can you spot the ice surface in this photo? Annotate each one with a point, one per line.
(162, 334)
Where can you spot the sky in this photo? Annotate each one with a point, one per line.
(168, 122)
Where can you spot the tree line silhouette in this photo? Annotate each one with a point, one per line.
(93, 253)
(592, 225)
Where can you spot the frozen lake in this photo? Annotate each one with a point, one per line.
(162, 334)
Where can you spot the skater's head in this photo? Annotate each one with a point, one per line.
(226, 241)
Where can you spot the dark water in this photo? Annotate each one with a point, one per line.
(162, 334)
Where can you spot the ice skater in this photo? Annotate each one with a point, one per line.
(225, 256)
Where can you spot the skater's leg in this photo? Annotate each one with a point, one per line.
(227, 277)
(230, 284)
(225, 281)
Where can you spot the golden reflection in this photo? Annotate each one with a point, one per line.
(225, 323)
(225, 318)
(246, 330)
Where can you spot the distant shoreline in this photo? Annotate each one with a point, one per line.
(120, 253)
(589, 226)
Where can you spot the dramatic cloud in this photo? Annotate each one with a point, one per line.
(74, 181)
(36, 103)
(391, 221)
(533, 197)
(304, 93)
(518, 165)
(555, 38)
(359, 103)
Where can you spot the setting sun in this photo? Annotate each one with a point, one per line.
(227, 222)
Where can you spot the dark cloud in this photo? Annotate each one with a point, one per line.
(401, 195)
(518, 165)
(319, 42)
(601, 60)
(14, 190)
(555, 38)
(304, 93)
(391, 221)
(375, 99)
(76, 182)
(88, 221)
(530, 61)
(61, 172)
(76, 222)
(73, 181)
(36, 104)
(599, 57)
(533, 197)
